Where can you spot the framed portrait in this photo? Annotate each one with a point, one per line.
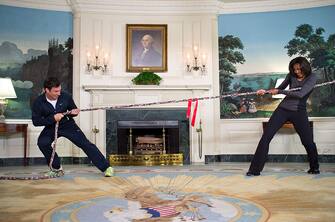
(146, 48)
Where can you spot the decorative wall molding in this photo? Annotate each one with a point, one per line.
(18, 121)
(178, 7)
(257, 120)
(57, 5)
(143, 87)
(145, 7)
(270, 5)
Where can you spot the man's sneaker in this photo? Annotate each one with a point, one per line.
(55, 173)
(109, 172)
(313, 171)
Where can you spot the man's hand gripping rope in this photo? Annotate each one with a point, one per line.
(58, 117)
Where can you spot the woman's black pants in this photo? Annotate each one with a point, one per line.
(299, 119)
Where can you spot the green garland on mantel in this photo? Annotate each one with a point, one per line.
(147, 78)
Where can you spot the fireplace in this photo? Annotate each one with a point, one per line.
(148, 137)
(147, 131)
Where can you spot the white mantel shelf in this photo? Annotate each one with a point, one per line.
(144, 87)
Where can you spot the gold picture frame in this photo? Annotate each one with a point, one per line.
(146, 47)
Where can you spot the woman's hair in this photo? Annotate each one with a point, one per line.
(304, 64)
(50, 83)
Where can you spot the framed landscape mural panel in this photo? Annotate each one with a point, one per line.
(146, 47)
(34, 44)
(256, 48)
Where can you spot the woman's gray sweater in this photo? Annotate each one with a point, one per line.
(296, 100)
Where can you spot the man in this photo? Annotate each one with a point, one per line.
(48, 109)
(148, 56)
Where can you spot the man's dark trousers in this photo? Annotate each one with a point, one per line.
(72, 132)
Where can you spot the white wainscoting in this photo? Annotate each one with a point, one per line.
(241, 136)
(12, 145)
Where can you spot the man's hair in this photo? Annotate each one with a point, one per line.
(151, 39)
(304, 64)
(50, 83)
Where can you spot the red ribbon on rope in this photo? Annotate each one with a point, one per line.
(188, 113)
(194, 112)
(189, 104)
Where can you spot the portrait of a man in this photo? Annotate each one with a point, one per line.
(147, 55)
(146, 47)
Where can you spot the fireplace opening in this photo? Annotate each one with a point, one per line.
(148, 137)
(146, 132)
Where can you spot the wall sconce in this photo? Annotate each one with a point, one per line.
(197, 65)
(6, 92)
(95, 63)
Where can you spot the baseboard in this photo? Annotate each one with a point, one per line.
(35, 161)
(271, 158)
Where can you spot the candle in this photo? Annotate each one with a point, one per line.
(97, 50)
(188, 59)
(195, 51)
(105, 59)
(203, 60)
(88, 54)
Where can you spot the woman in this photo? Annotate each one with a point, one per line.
(292, 109)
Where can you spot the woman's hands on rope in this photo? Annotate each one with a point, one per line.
(261, 92)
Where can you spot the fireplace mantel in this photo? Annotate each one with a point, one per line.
(144, 87)
(102, 95)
